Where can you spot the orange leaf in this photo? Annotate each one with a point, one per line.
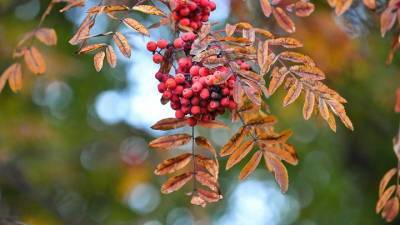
(386, 179)
(307, 72)
(239, 153)
(174, 164)
(149, 9)
(98, 60)
(170, 141)
(134, 24)
(391, 209)
(266, 7)
(169, 124)
(212, 124)
(34, 60)
(251, 165)
(90, 48)
(175, 183)
(283, 20)
(280, 172)
(47, 36)
(234, 142)
(207, 180)
(293, 93)
(205, 143)
(309, 103)
(386, 195)
(111, 57)
(122, 44)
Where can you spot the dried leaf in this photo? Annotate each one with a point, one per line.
(34, 60)
(251, 165)
(303, 8)
(209, 196)
(149, 9)
(331, 122)
(293, 93)
(284, 152)
(391, 209)
(205, 143)
(277, 78)
(90, 48)
(212, 124)
(397, 105)
(173, 165)
(136, 25)
(266, 7)
(342, 6)
(98, 60)
(280, 172)
(283, 20)
(307, 72)
(388, 18)
(230, 29)
(210, 165)
(47, 36)
(309, 103)
(175, 183)
(197, 200)
(286, 42)
(12, 72)
(170, 141)
(83, 30)
(383, 199)
(207, 180)
(296, 58)
(386, 179)
(323, 109)
(239, 153)
(262, 121)
(234, 142)
(169, 124)
(111, 57)
(122, 44)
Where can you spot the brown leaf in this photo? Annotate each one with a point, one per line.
(331, 122)
(371, 4)
(134, 24)
(307, 72)
(90, 48)
(293, 93)
(266, 7)
(175, 183)
(210, 165)
(386, 179)
(262, 121)
(391, 209)
(251, 165)
(83, 30)
(239, 153)
(303, 8)
(296, 58)
(280, 172)
(12, 72)
(284, 152)
(388, 18)
(149, 9)
(264, 32)
(205, 143)
(323, 109)
(342, 6)
(174, 164)
(283, 20)
(197, 200)
(122, 44)
(397, 105)
(47, 36)
(277, 78)
(34, 60)
(169, 124)
(98, 60)
(209, 196)
(309, 103)
(286, 42)
(207, 180)
(339, 110)
(230, 29)
(234, 142)
(111, 57)
(212, 124)
(170, 141)
(383, 199)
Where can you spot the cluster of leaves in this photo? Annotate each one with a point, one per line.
(117, 13)
(27, 51)
(280, 10)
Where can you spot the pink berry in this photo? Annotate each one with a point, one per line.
(170, 83)
(180, 78)
(162, 43)
(187, 93)
(195, 110)
(179, 43)
(157, 58)
(184, 22)
(197, 86)
(204, 94)
(152, 46)
(194, 70)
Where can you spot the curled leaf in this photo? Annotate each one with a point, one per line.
(170, 141)
(174, 164)
(175, 183)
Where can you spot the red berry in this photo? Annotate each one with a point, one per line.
(157, 58)
(185, 109)
(202, 80)
(170, 83)
(192, 6)
(152, 46)
(232, 105)
(197, 86)
(195, 79)
(161, 87)
(195, 101)
(203, 71)
(212, 5)
(225, 102)
(194, 70)
(178, 90)
(189, 36)
(184, 22)
(225, 91)
(204, 3)
(195, 110)
(192, 121)
(214, 104)
(167, 95)
(187, 93)
(184, 63)
(244, 66)
(179, 114)
(159, 76)
(184, 11)
(162, 43)
(180, 78)
(194, 25)
(184, 101)
(204, 94)
(175, 105)
(179, 43)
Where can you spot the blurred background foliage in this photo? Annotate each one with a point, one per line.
(73, 143)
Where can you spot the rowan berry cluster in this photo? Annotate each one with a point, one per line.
(194, 89)
(192, 13)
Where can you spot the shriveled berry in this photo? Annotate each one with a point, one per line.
(152, 46)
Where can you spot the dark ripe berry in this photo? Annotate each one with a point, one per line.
(215, 95)
(204, 3)
(212, 6)
(159, 76)
(197, 86)
(175, 98)
(194, 25)
(179, 114)
(203, 71)
(194, 70)
(192, 121)
(207, 117)
(204, 94)
(184, 101)
(214, 104)
(225, 102)
(170, 83)
(167, 95)
(195, 101)
(192, 6)
(179, 43)
(162, 43)
(225, 91)
(244, 66)
(232, 105)
(157, 58)
(184, 22)
(195, 110)
(204, 18)
(185, 109)
(203, 103)
(178, 90)
(180, 78)
(220, 111)
(175, 105)
(189, 36)
(152, 46)
(184, 11)
(161, 87)
(187, 93)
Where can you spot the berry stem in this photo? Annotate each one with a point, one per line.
(194, 161)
